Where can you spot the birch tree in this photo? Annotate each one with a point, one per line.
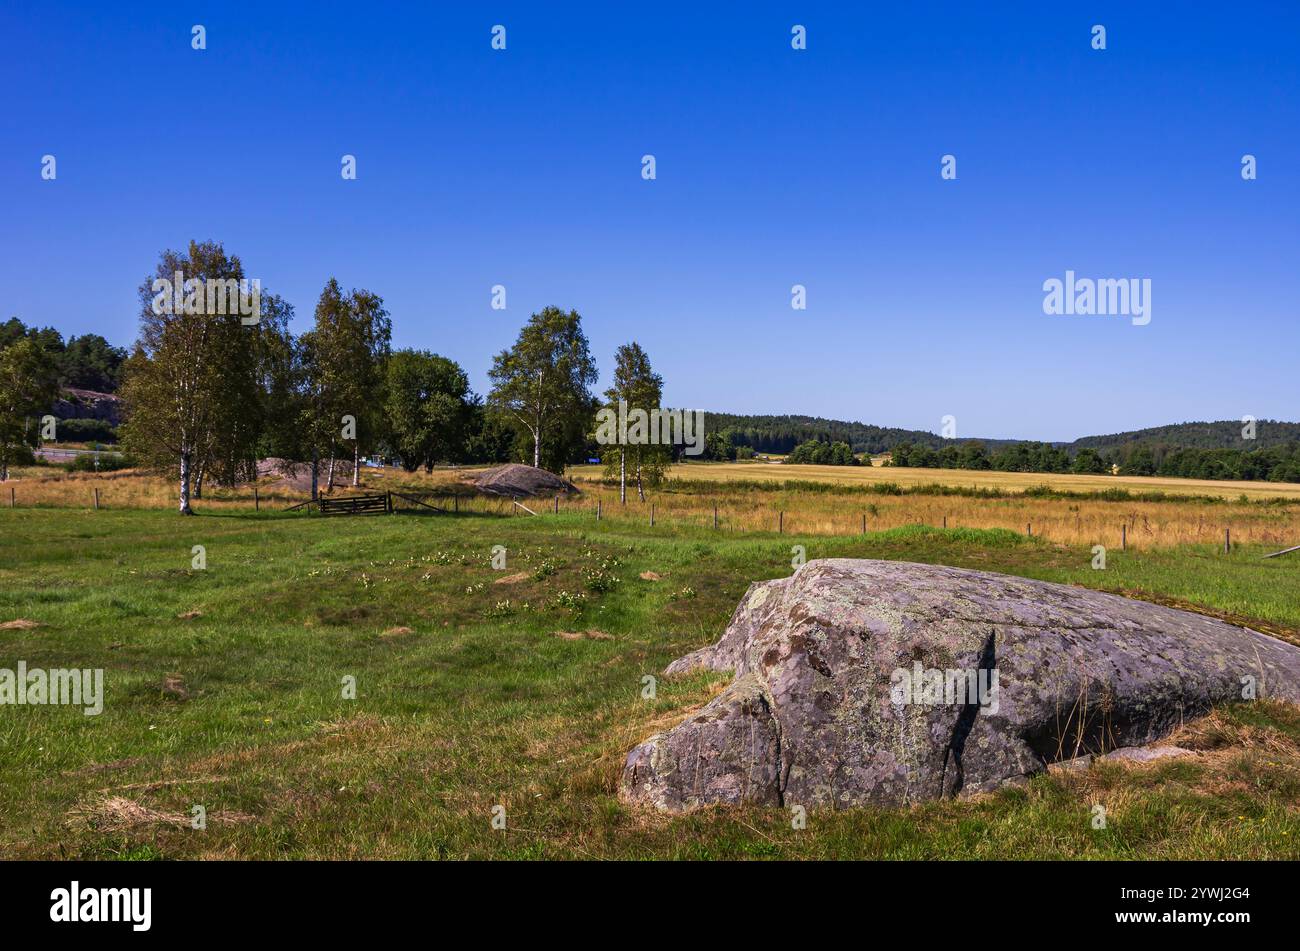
(636, 385)
(344, 359)
(174, 389)
(28, 388)
(193, 385)
(541, 384)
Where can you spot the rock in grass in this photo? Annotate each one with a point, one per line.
(1146, 754)
(1077, 764)
(873, 682)
(516, 481)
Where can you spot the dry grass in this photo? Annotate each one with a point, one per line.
(120, 814)
(1149, 524)
(1006, 481)
(1064, 521)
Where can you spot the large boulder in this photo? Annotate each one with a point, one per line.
(861, 682)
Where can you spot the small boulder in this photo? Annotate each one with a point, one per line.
(1145, 754)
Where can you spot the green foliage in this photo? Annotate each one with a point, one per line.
(1275, 463)
(107, 462)
(1223, 434)
(640, 391)
(819, 453)
(718, 447)
(28, 385)
(344, 359)
(488, 438)
(781, 434)
(86, 430)
(1088, 462)
(540, 387)
(199, 388)
(87, 362)
(427, 408)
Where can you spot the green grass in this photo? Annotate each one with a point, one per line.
(481, 704)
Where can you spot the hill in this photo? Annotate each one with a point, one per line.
(780, 434)
(1224, 434)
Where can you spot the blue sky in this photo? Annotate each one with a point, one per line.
(775, 167)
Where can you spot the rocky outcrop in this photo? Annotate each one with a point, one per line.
(861, 682)
(88, 404)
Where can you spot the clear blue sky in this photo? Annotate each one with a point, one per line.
(775, 167)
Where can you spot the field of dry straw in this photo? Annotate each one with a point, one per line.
(808, 500)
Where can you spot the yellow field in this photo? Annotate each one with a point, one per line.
(796, 511)
(1007, 481)
(1073, 522)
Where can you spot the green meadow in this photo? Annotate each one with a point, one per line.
(228, 687)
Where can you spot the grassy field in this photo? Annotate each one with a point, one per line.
(802, 500)
(520, 688)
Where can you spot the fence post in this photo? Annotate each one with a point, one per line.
(598, 510)
(715, 516)
(652, 515)
(864, 523)
(945, 521)
(557, 505)
(1227, 541)
(257, 503)
(390, 503)
(1029, 529)
(1123, 537)
(96, 499)
(780, 522)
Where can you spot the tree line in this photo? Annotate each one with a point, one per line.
(36, 364)
(780, 435)
(819, 453)
(88, 362)
(1275, 463)
(208, 393)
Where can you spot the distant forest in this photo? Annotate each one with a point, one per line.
(780, 434)
(1198, 450)
(1225, 434)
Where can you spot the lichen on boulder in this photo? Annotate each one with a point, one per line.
(864, 682)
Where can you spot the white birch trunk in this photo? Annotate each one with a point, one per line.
(185, 484)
